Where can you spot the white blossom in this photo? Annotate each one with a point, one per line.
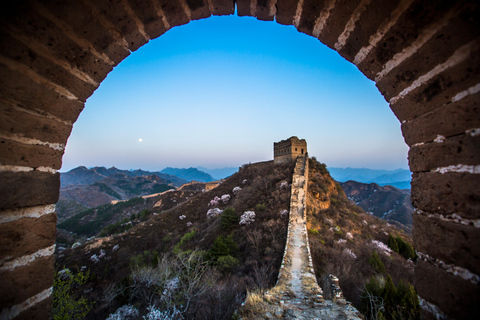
(225, 198)
(284, 213)
(349, 236)
(94, 258)
(182, 217)
(382, 247)
(213, 212)
(124, 313)
(76, 245)
(102, 254)
(247, 217)
(156, 314)
(244, 181)
(341, 241)
(115, 247)
(284, 185)
(350, 253)
(189, 224)
(214, 202)
(236, 190)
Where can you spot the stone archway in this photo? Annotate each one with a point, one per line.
(424, 57)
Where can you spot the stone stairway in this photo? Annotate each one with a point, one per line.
(297, 294)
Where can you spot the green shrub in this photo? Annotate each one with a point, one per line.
(186, 238)
(229, 219)
(392, 243)
(65, 303)
(376, 262)
(313, 232)
(405, 249)
(225, 264)
(223, 246)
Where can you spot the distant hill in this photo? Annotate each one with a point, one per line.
(189, 174)
(387, 202)
(220, 173)
(381, 177)
(84, 188)
(85, 176)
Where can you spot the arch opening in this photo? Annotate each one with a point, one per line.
(423, 57)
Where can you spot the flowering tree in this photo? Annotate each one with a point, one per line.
(247, 218)
(382, 247)
(236, 190)
(225, 198)
(182, 217)
(284, 213)
(214, 202)
(213, 212)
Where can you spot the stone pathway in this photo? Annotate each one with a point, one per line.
(297, 294)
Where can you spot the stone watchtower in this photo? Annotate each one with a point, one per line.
(288, 150)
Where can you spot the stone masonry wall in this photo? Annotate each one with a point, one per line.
(424, 57)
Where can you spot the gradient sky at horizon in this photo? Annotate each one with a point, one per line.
(218, 92)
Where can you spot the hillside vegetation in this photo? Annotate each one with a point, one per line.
(216, 244)
(193, 255)
(354, 246)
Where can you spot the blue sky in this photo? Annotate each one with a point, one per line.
(218, 92)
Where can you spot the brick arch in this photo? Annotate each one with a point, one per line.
(424, 58)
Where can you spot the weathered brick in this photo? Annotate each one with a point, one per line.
(460, 30)
(26, 281)
(147, 13)
(409, 25)
(449, 120)
(41, 310)
(27, 235)
(198, 9)
(337, 21)
(263, 10)
(447, 193)
(34, 26)
(31, 95)
(439, 90)
(18, 122)
(286, 11)
(374, 15)
(310, 12)
(223, 7)
(450, 242)
(28, 189)
(174, 12)
(243, 8)
(18, 52)
(462, 149)
(116, 13)
(26, 155)
(454, 295)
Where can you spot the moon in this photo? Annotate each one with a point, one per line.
(140, 140)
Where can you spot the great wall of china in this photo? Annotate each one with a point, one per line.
(297, 292)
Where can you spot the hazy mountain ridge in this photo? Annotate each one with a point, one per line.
(381, 177)
(189, 174)
(219, 173)
(385, 202)
(84, 188)
(85, 176)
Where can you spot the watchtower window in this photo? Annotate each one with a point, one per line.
(302, 151)
(295, 149)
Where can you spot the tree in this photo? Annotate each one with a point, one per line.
(229, 219)
(66, 305)
(390, 298)
(376, 262)
(392, 243)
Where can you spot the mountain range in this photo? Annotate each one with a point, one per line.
(399, 178)
(189, 174)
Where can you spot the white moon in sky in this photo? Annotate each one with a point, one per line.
(140, 140)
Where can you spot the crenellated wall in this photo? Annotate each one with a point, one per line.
(424, 57)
